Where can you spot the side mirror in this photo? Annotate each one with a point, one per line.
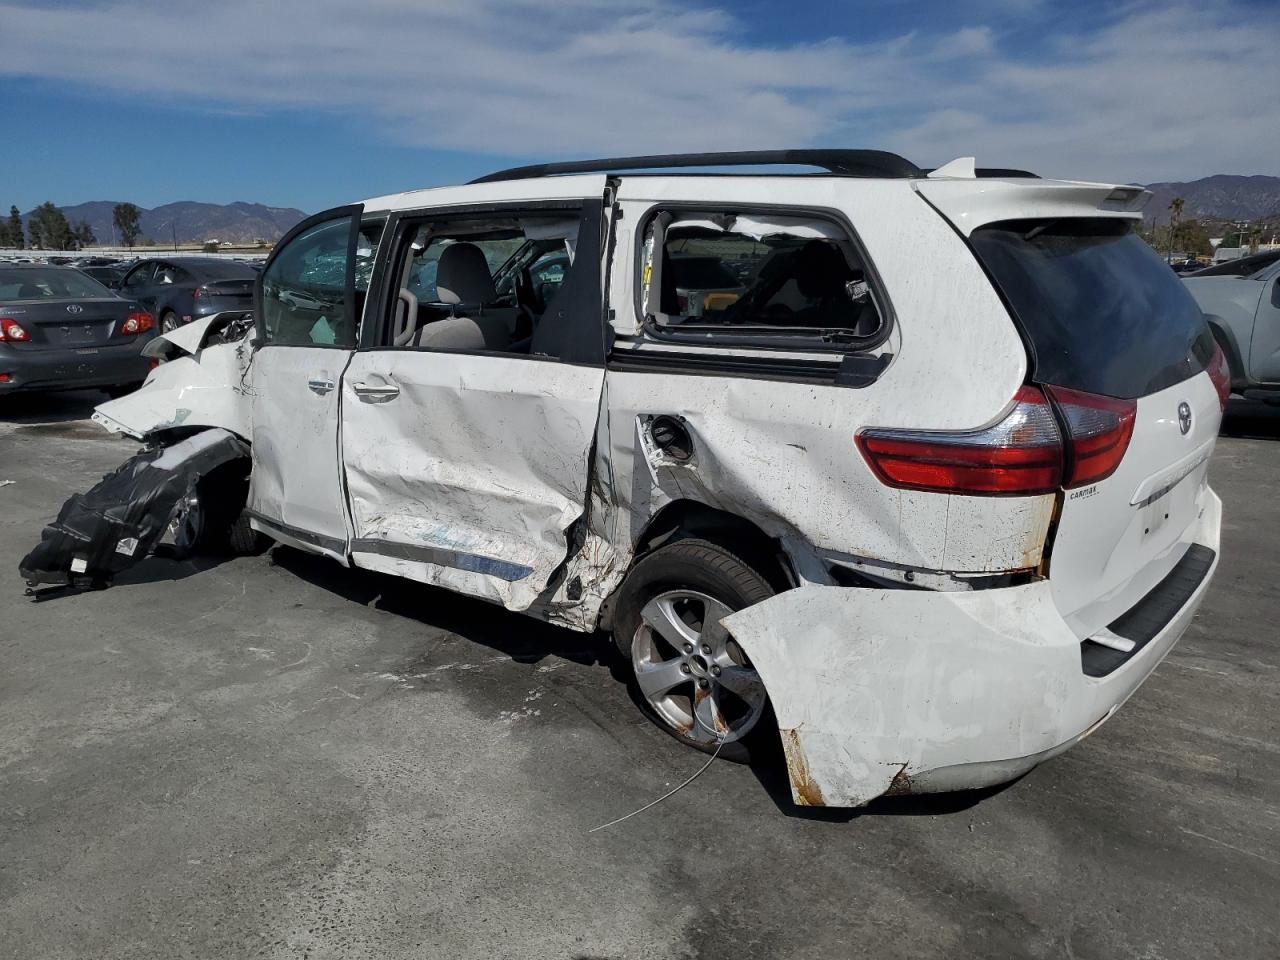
(1275, 293)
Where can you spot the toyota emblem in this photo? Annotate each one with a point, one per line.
(74, 308)
(1184, 417)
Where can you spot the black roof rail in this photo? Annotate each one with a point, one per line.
(842, 163)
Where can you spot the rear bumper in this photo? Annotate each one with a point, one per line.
(913, 691)
(71, 368)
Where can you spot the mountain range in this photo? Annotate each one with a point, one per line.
(191, 222)
(1222, 197)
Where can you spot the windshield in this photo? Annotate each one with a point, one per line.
(52, 283)
(1103, 313)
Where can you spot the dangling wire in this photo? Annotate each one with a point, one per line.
(670, 793)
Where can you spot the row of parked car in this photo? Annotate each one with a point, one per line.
(66, 325)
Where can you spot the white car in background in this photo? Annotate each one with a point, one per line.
(924, 501)
(1242, 300)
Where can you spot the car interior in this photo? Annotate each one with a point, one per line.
(482, 285)
(767, 275)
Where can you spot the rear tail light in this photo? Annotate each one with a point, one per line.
(5, 378)
(1220, 373)
(201, 293)
(10, 329)
(137, 323)
(1020, 455)
(1099, 429)
(1024, 454)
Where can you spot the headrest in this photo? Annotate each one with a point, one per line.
(29, 291)
(820, 270)
(462, 275)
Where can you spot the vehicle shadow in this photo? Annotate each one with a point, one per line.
(772, 775)
(469, 618)
(1251, 420)
(47, 408)
(162, 566)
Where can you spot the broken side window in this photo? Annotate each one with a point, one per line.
(755, 275)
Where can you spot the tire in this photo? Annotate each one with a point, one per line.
(212, 520)
(168, 322)
(677, 668)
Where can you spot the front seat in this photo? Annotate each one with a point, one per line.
(463, 281)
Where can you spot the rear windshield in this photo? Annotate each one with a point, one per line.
(52, 283)
(1103, 313)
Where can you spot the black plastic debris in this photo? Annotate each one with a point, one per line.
(122, 518)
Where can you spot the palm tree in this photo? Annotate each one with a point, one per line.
(1175, 207)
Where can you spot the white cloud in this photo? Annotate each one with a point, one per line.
(1156, 93)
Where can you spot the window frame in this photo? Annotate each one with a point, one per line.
(709, 336)
(355, 212)
(149, 265)
(402, 224)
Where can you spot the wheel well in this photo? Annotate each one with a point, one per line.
(689, 518)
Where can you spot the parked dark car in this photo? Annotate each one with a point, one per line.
(60, 329)
(108, 273)
(1240, 266)
(180, 290)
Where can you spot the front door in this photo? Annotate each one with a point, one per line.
(307, 313)
(467, 456)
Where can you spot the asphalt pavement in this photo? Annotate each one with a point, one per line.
(275, 757)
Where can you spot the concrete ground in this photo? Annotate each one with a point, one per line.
(274, 757)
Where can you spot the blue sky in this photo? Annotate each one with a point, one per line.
(315, 103)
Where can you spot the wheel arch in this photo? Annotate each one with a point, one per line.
(681, 519)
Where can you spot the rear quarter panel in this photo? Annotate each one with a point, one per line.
(782, 454)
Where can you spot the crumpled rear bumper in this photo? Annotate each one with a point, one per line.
(915, 691)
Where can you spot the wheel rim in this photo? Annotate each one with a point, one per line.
(185, 524)
(692, 672)
(168, 323)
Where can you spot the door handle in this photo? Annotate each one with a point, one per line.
(320, 385)
(372, 393)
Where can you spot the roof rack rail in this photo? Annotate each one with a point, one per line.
(842, 163)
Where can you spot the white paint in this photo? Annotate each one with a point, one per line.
(482, 458)
(955, 690)
(296, 477)
(205, 390)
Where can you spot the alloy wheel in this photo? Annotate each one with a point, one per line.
(692, 673)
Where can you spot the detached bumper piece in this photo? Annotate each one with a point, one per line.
(1144, 621)
(120, 521)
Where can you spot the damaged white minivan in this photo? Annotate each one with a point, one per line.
(904, 468)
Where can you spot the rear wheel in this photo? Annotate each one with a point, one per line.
(168, 322)
(688, 674)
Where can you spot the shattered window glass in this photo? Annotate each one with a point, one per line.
(750, 274)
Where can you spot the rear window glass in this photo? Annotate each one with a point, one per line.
(28, 283)
(1102, 311)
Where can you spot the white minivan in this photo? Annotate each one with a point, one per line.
(904, 469)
